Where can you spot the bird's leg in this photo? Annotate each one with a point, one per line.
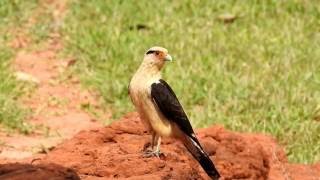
(146, 151)
(153, 140)
(151, 143)
(155, 149)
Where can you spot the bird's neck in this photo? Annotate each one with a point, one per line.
(148, 69)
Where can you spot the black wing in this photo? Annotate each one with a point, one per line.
(169, 105)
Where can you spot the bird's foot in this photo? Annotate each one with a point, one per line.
(149, 153)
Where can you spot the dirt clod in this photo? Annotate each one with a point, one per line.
(17, 171)
(115, 151)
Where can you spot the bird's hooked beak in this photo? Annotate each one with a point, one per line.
(168, 57)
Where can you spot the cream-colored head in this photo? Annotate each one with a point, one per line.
(157, 56)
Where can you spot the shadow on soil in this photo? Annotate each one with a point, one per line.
(18, 171)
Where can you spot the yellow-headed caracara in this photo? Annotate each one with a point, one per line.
(161, 111)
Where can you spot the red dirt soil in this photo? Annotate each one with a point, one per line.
(57, 99)
(115, 151)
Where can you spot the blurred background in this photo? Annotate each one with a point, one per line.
(251, 66)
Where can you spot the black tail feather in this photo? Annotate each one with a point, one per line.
(194, 147)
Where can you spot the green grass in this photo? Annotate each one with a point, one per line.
(13, 13)
(260, 73)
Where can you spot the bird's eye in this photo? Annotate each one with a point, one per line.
(157, 53)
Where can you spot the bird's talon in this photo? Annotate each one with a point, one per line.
(147, 153)
(159, 154)
(150, 153)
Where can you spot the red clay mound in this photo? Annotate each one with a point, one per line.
(115, 151)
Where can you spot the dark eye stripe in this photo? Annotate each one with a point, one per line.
(150, 52)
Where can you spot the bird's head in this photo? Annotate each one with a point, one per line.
(157, 56)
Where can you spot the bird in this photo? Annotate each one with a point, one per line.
(160, 110)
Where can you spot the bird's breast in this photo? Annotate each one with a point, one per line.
(140, 92)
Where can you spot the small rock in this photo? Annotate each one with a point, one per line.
(71, 62)
(227, 18)
(22, 76)
(139, 27)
